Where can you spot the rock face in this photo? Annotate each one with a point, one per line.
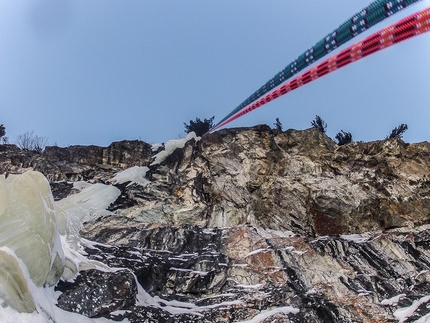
(95, 293)
(299, 181)
(252, 223)
(76, 163)
(330, 279)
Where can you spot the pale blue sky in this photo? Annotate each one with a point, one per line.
(96, 71)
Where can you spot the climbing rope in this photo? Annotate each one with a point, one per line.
(361, 21)
(409, 27)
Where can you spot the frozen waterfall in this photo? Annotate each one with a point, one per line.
(40, 243)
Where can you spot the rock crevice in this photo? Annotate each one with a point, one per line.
(248, 221)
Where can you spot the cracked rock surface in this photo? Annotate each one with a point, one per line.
(251, 223)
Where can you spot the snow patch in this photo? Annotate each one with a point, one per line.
(89, 204)
(120, 312)
(424, 319)
(299, 252)
(80, 185)
(134, 175)
(209, 231)
(178, 307)
(156, 146)
(256, 286)
(357, 238)
(402, 314)
(201, 273)
(311, 291)
(293, 250)
(393, 300)
(265, 250)
(170, 147)
(277, 233)
(267, 313)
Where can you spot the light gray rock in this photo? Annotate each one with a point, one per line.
(296, 180)
(250, 219)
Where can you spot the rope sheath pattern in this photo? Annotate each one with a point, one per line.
(366, 18)
(406, 28)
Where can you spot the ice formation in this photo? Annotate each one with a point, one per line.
(134, 175)
(29, 234)
(88, 204)
(170, 147)
(39, 239)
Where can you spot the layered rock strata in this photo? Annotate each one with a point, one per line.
(253, 223)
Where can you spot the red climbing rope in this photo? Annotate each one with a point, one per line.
(406, 28)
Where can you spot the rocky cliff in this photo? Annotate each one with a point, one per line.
(251, 224)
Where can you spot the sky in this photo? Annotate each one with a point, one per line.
(81, 72)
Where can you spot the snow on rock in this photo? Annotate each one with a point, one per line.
(267, 313)
(256, 252)
(86, 206)
(91, 203)
(402, 314)
(264, 191)
(393, 300)
(357, 238)
(170, 146)
(256, 286)
(80, 185)
(156, 146)
(424, 319)
(134, 175)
